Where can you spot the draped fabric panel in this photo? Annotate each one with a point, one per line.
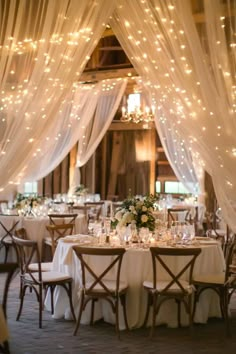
(186, 61)
(177, 152)
(42, 56)
(189, 67)
(108, 96)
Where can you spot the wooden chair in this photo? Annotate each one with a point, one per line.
(100, 286)
(82, 209)
(65, 218)
(55, 233)
(38, 281)
(94, 209)
(214, 231)
(6, 240)
(173, 215)
(177, 283)
(10, 270)
(45, 266)
(223, 284)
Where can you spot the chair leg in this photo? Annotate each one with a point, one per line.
(22, 295)
(117, 317)
(149, 304)
(226, 314)
(70, 301)
(92, 311)
(52, 299)
(153, 314)
(40, 305)
(179, 312)
(69, 294)
(123, 303)
(6, 253)
(80, 313)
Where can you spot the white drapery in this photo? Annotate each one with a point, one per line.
(189, 67)
(42, 56)
(108, 96)
(179, 156)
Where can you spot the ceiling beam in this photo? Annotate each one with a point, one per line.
(98, 75)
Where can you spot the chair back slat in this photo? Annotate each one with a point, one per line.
(27, 251)
(173, 215)
(65, 218)
(160, 258)
(94, 209)
(95, 279)
(58, 231)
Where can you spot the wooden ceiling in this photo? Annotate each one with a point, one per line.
(109, 59)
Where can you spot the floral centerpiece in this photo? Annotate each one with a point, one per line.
(80, 190)
(23, 202)
(138, 211)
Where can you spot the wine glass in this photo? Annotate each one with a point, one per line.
(144, 234)
(107, 225)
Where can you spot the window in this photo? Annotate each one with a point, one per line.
(173, 187)
(158, 187)
(31, 188)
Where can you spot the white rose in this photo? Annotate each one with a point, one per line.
(144, 218)
(144, 208)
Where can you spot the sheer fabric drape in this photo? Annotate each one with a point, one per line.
(176, 149)
(189, 67)
(42, 56)
(108, 96)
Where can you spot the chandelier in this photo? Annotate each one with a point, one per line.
(134, 112)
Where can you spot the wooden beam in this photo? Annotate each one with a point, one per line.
(129, 126)
(111, 48)
(96, 75)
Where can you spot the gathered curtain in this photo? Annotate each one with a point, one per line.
(42, 57)
(108, 97)
(188, 64)
(186, 169)
(186, 61)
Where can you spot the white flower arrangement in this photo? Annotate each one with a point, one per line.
(136, 211)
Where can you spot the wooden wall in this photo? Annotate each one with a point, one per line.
(57, 181)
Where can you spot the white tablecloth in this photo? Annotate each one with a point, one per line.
(136, 268)
(36, 226)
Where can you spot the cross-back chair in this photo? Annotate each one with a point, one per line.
(223, 283)
(9, 269)
(105, 284)
(45, 266)
(55, 233)
(62, 218)
(82, 209)
(170, 282)
(173, 215)
(213, 230)
(94, 209)
(38, 281)
(7, 228)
